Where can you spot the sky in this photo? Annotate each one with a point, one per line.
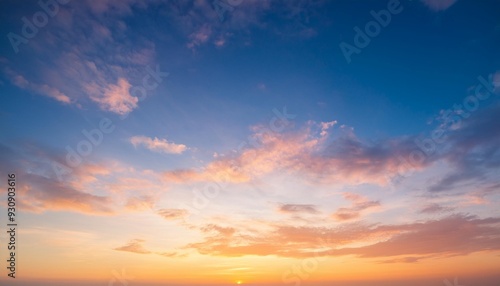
(245, 142)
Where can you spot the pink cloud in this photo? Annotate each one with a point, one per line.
(201, 36)
(115, 97)
(103, 188)
(298, 208)
(158, 145)
(71, 73)
(49, 195)
(450, 236)
(359, 205)
(43, 89)
(311, 153)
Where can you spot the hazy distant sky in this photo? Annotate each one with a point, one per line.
(246, 142)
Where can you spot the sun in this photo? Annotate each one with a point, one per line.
(239, 282)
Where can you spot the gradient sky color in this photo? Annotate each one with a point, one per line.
(236, 142)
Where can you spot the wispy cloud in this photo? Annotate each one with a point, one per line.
(158, 145)
(359, 204)
(450, 236)
(172, 214)
(298, 208)
(51, 195)
(200, 37)
(42, 89)
(439, 5)
(72, 73)
(434, 208)
(134, 246)
(139, 203)
(472, 151)
(103, 188)
(310, 152)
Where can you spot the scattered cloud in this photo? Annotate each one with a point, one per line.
(472, 151)
(172, 214)
(115, 97)
(298, 208)
(45, 191)
(359, 204)
(43, 89)
(450, 236)
(158, 145)
(201, 36)
(87, 56)
(172, 254)
(51, 195)
(311, 152)
(434, 208)
(103, 188)
(317, 153)
(140, 203)
(134, 246)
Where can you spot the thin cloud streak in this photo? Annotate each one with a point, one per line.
(158, 145)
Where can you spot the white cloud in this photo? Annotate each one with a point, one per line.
(158, 145)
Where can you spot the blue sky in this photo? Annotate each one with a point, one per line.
(212, 115)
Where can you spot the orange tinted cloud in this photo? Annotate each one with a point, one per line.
(90, 188)
(140, 203)
(449, 236)
(311, 152)
(359, 204)
(134, 246)
(50, 195)
(172, 214)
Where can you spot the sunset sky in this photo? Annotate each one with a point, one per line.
(251, 142)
